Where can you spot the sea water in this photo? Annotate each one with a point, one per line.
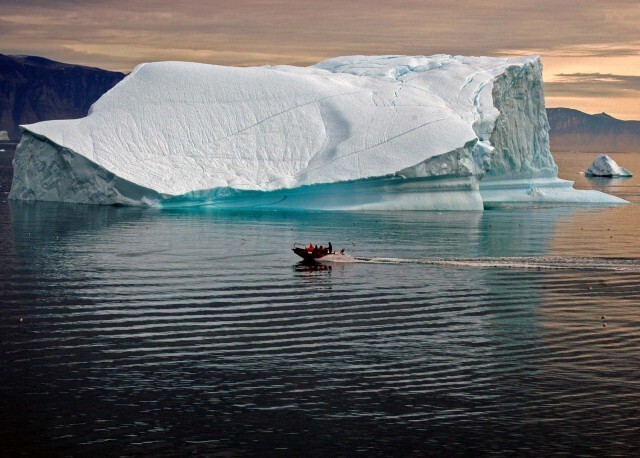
(144, 331)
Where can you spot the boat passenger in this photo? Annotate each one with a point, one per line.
(310, 248)
(330, 248)
(315, 250)
(342, 251)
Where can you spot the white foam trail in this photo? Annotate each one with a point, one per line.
(524, 262)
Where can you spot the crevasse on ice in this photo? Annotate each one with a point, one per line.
(380, 133)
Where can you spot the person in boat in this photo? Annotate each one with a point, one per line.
(342, 251)
(315, 250)
(321, 250)
(330, 248)
(310, 248)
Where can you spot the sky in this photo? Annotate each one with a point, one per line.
(590, 49)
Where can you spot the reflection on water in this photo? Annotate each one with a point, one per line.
(600, 232)
(571, 166)
(198, 332)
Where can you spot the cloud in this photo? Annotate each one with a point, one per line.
(571, 35)
(608, 50)
(599, 85)
(323, 27)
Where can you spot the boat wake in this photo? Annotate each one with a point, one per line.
(525, 262)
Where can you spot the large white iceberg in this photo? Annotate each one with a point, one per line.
(604, 166)
(384, 132)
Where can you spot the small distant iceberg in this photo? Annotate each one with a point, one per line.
(606, 167)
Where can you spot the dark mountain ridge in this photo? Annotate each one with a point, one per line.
(36, 89)
(573, 130)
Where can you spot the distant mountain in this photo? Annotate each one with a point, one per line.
(36, 89)
(573, 130)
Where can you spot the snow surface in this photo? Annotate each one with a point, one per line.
(604, 166)
(381, 132)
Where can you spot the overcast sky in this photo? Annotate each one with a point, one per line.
(590, 49)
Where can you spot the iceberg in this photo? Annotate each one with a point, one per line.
(349, 133)
(604, 166)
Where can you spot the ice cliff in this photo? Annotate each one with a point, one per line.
(384, 132)
(604, 166)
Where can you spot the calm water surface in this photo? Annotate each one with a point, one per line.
(175, 332)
